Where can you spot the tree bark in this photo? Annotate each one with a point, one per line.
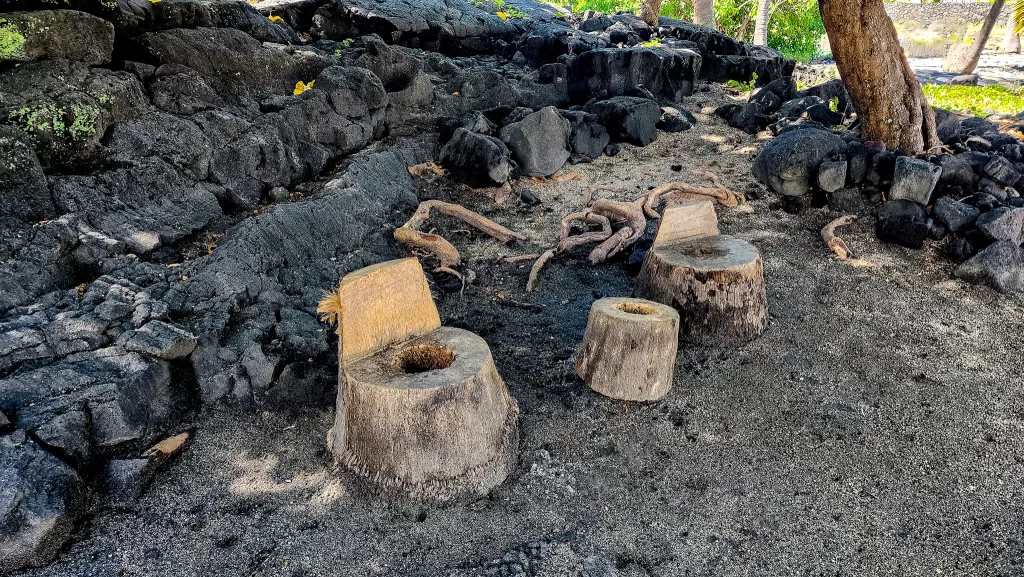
(717, 285)
(649, 11)
(629, 349)
(886, 94)
(1011, 42)
(704, 13)
(761, 24)
(963, 58)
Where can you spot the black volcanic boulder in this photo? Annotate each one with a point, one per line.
(589, 137)
(1000, 266)
(539, 143)
(666, 72)
(628, 118)
(40, 500)
(902, 222)
(56, 34)
(789, 164)
(476, 159)
(725, 58)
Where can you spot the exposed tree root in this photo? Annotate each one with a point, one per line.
(612, 246)
(447, 255)
(838, 246)
(531, 282)
(420, 169)
(566, 242)
(674, 192)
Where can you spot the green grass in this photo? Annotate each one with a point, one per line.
(976, 100)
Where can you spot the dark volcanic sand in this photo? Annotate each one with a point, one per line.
(875, 429)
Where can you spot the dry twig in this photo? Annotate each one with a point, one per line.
(531, 282)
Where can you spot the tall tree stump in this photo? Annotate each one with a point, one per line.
(421, 409)
(716, 283)
(629, 349)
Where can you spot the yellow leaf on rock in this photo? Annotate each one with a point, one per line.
(301, 87)
(274, 18)
(502, 15)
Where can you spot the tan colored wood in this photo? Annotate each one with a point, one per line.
(629, 349)
(716, 284)
(381, 305)
(687, 221)
(429, 418)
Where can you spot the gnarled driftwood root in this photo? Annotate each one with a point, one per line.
(836, 244)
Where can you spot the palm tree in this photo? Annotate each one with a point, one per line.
(761, 24)
(963, 58)
(1011, 42)
(704, 13)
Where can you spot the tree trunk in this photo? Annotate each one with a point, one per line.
(649, 11)
(886, 94)
(761, 25)
(963, 58)
(704, 13)
(1011, 42)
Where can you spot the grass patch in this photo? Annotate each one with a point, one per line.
(976, 100)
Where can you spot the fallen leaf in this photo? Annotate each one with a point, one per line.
(301, 87)
(502, 15)
(167, 447)
(274, 18)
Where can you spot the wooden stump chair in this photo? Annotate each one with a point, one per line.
(421, 408)
(715, 281)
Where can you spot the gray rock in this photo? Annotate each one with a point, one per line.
(832, 175)
(964, 80)
(476, 159)
(539, 143)
(914, 179)
(63, 428)
(1003, 223)
(1001, 171)
(63, 34)
(86, 101)
(675, 119)
(955, 215)
(5, 423)
(598, 22)
(127, 397)
(40, 500)
(628, 118)
(125, 480)
(161, 340)
(1000, 265)
(790, 161)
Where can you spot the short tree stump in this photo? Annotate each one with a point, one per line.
(629, 349)
(421, 408)
(716, 283)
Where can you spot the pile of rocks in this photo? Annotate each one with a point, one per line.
(167, 234)
(969, 199)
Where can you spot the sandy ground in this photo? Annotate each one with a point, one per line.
(875, 429)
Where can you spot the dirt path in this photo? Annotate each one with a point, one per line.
(877, 428)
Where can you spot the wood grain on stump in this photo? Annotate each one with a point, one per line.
(629, 349)
(384, 304)
(716, 284)
(430, 417)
